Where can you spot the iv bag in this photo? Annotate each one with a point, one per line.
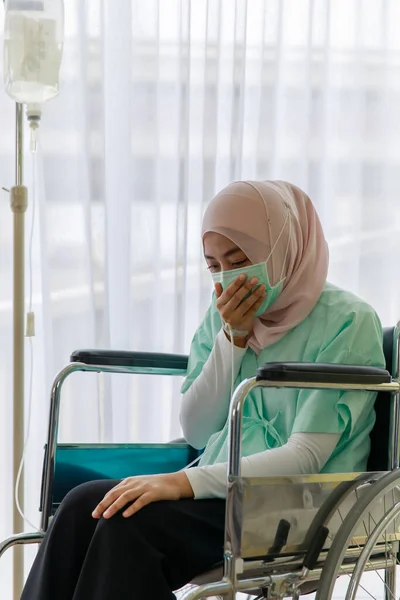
(33, 44)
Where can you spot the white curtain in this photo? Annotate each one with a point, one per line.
(162, 103)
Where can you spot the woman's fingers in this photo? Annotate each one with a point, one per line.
(104, 504)
(253, 302)
(124, 499)
(113, 490)
(239, 305)
(252, 311)
(109, 499)
(231, 290)
(233, 296)
(141, 491)
(218, 290)
(142, 501)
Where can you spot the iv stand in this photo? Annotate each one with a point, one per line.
(19, 204)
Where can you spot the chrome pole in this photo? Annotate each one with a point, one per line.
(19, 202)
(235, 426)
(232, 526)
(49, 462)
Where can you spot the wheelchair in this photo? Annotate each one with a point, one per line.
(284, 536)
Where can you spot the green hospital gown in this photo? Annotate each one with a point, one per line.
(340, 329)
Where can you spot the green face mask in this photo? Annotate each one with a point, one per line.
(225, 278)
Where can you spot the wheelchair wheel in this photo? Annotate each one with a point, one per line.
(365, 550)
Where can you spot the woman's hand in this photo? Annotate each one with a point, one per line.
(235, 311)
(139, 491)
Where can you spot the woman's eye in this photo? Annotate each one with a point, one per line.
(239, 263)
(213, 268)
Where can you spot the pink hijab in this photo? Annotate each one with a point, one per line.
(253, 215)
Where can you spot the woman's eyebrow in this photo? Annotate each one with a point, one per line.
(228, 253)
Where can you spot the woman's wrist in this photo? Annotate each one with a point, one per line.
(239, 342)
(234, 331)
(183, 483)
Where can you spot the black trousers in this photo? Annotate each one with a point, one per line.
(145, 557)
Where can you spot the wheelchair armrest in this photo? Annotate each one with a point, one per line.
(126, 358)
(322, 373)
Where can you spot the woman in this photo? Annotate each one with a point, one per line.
(145, 536)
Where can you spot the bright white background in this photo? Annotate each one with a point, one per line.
(162, 103)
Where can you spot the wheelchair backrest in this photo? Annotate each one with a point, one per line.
(380, 435)
(78, 463)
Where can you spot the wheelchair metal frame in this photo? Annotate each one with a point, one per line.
(233, 563)
(49, 461)
(288, 573)
(288, 582)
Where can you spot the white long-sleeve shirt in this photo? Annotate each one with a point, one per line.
(204, 411)
(302, 454)
(205, 405)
